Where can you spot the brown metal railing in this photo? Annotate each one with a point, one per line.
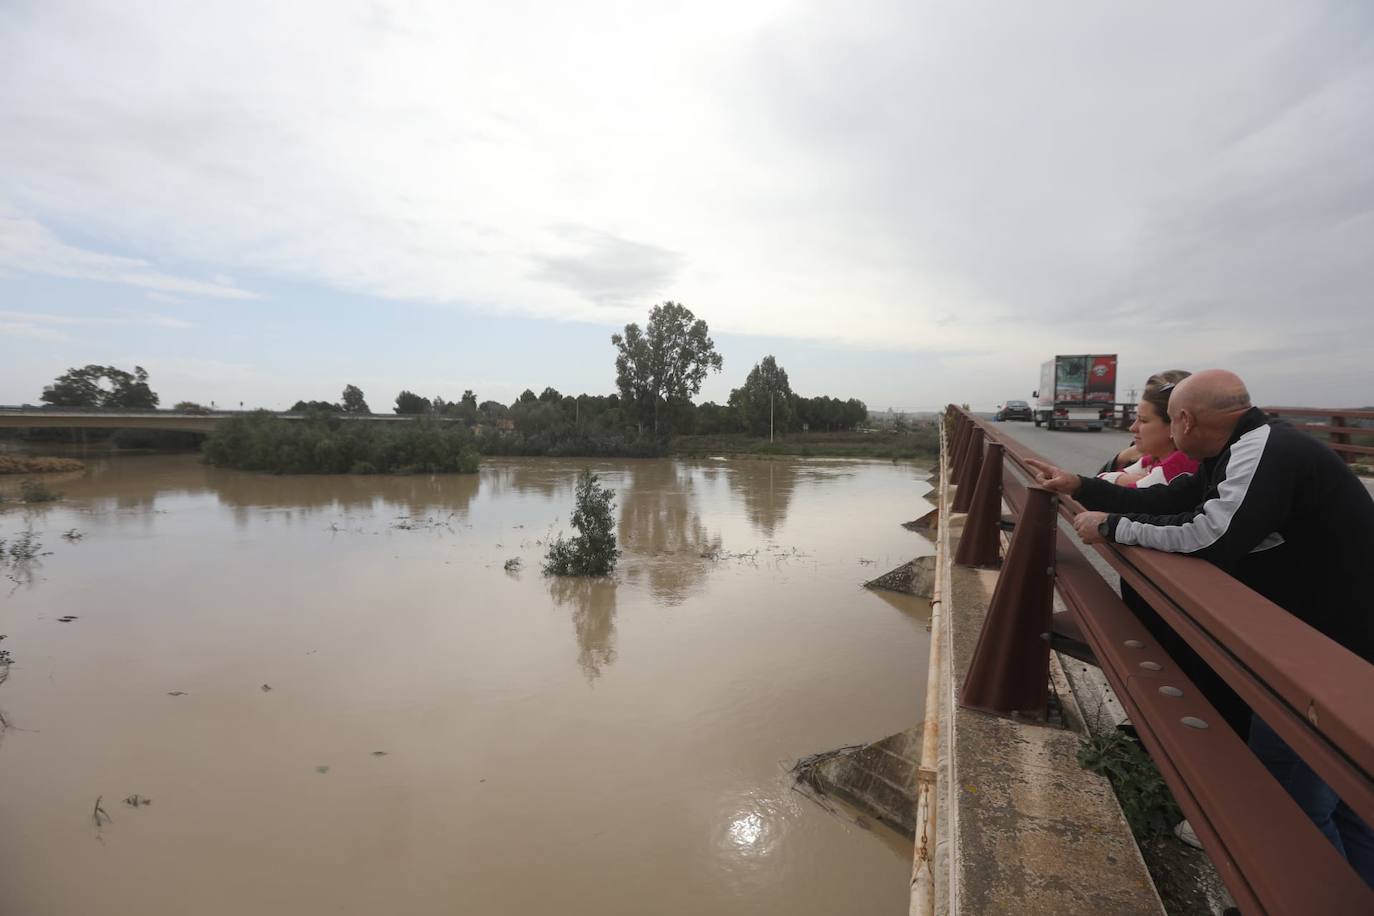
(1335, 427)
(1312, 691)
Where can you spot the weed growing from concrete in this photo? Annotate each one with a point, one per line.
(1145, 799)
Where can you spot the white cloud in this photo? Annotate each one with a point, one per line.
(149, 319)
(30, 331)
(994, 183)
(154, 320)
(27, 246)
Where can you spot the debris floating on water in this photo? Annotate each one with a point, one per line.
(100, 815)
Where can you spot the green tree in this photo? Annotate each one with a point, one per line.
(765, 401)
(315, 407)
(666, 362)
(467, 407)
(100, 386)
(492, 411)
(353, 401)
(407, 402)
(592, 551)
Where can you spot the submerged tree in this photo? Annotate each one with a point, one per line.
(593, 551)
(665, 362)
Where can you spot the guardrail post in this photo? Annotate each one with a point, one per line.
(961, 438)
(1009, 674)
(981, 541)
(968, 471)
(1341, 439)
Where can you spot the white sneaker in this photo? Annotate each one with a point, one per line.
(1184, 831)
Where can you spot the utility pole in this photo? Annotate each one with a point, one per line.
(770, 415)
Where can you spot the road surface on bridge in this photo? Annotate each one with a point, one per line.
(1079, 451)
(1073, 450)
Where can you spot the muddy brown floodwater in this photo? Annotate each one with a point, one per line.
(336, 698)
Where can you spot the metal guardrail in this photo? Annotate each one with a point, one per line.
(1336, 428)
(1312, 691)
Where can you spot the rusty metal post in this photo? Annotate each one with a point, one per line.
(968, 473)
(1338, 439)
(981, 541)
(1009, 674)
(961, 438)
(950, 419)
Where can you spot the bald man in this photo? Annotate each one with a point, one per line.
(1280, 511)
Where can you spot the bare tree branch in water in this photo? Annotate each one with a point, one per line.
(99, 813)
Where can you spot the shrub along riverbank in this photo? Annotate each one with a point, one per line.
(23, 464)
(328, 445)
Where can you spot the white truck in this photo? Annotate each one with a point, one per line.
(1077, 392)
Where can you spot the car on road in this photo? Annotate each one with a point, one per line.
(1014, 410)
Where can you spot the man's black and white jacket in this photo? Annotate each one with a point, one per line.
(1277, 509)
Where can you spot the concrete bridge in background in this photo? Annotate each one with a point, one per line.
(186, 420)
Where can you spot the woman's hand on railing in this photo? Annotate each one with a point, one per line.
(1053, 478)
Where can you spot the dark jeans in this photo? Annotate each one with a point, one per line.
(1350, 835)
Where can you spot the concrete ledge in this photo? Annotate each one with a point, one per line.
(1023, 829)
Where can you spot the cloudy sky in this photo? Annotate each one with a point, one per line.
(906, 202)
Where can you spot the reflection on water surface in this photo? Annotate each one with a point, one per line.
(444, 734)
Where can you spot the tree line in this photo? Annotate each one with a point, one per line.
(659, 369)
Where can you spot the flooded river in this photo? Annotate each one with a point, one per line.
(339, 700)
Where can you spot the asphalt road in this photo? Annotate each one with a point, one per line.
(1080, 452)
(1073, 450)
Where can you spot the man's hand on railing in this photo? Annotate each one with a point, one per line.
(1053, 478)
(1088, 525)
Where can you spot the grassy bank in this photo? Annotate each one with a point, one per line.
(920, 443)
(22, 464)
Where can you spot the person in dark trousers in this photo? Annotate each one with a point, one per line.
(1280, 511)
